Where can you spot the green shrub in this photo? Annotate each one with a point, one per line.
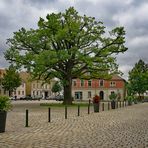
(5, 103)
(129, 98)
(113, 96)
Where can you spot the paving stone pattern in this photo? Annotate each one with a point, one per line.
(120, 128)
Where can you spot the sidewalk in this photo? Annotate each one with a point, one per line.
(124, 127)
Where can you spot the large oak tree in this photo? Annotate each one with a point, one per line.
(67, 46)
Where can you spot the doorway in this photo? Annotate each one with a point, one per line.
(101, 95)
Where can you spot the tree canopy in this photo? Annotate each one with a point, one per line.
(67, 46)
(138, 78)
(11, 80)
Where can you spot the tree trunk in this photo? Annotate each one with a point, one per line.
(139, 96)
(68, 92)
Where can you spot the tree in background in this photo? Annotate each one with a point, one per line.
(56, 87)
(138, 78)
(67, 46)
(11, 80)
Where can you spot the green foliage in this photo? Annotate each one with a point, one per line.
(11, 79)
(5, 103)
(138, 78)
(113, 96)
(130, 98)
(67, 46)
(56, 87)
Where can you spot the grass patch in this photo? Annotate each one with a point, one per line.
(62, 105)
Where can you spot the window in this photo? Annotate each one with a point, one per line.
(101, 83)
(74, 83)
(18, 92)
(33, 85)
(112, 84)
(112, 92)
(82, 82)
(78, 95)
(89, 83)
(89, 94)
(46, 86)
(22, 92)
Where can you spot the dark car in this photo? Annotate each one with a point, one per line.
(59, 98)
(26, 98)
(36, 97)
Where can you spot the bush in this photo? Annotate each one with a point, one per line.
(5, 103)
(113, 96)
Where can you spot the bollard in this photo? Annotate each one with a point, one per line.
(108, 106)
(102, 106)
(117, 104)
(49, 117)
(88, 109)
(89, 101)
(120, 104)
(123, 104)
(65, 112)
(26, 118)
(78, 110)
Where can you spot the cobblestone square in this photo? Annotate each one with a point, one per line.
(120, 128)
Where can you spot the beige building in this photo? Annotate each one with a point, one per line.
(40, 89)
(20, 91)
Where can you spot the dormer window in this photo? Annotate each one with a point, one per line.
(112, 83)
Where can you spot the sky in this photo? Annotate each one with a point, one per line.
(132, 14)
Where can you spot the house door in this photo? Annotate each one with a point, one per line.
(46, 94)
(101, 95)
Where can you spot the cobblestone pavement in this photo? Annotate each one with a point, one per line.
(121, 128)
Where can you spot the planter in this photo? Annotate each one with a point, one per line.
(96, 107)
(129, 103)
(113, 104)
(3, 115)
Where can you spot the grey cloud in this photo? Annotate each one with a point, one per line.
(138, 2)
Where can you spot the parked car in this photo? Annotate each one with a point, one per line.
(145, 100)
(59, 98)
(26, 98)
(36, 97)
(50, 98)
(12, 98)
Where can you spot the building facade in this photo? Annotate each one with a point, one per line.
(40, 89)
(20, 91)
(86, 89)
